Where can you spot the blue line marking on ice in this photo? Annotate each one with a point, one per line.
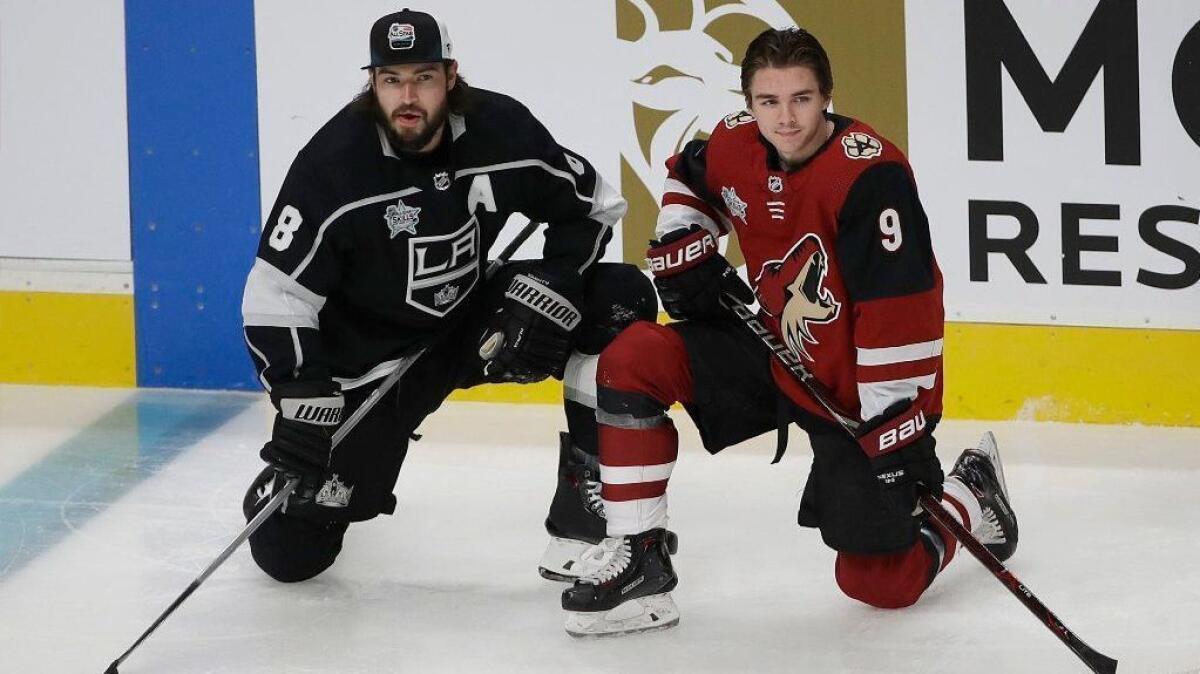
(89, 472)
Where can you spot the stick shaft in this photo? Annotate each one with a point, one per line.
(280, 498)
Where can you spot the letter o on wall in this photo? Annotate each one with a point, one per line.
(1185, 83)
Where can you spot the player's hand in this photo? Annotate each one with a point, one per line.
(900, 472)
(529, 336)
(307, 415)
(690, 275)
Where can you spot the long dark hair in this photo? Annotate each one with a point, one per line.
(781, 48)
(458, 99)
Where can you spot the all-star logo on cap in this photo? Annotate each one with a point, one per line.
(408, 36)
(401, 36)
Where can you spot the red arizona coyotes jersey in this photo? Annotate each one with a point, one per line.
(838, 252)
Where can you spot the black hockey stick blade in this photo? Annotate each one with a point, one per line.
(1095, 660)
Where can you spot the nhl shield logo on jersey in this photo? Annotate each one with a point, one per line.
(334, 493)
(775, 184)
(441, 181)
(736, 207)
(859, 145)
(401, 36)
(400, 217)
(792, 290)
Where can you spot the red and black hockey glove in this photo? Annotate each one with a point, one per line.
(690, 275)
(902, 454)
(529, 336)
(301, 441)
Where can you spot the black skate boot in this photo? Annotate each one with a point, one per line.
(981, 471)
(629, 592)
(576, 520)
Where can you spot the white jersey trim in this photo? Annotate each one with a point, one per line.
(272, 298)
(266, 363)
(875, 397)
(339, 213)
(674, 217)
(378, 372)
(900, 354)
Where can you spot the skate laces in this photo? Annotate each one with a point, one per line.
(990, 531)
(611, 556)
(594, 502)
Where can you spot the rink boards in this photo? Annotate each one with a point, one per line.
(1093, 319)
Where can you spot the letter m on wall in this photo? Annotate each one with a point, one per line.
(1108, 42)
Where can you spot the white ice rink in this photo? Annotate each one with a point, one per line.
(112, 501)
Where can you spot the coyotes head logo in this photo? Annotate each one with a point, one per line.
(792, 290)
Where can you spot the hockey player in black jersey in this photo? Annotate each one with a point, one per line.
(376, 247)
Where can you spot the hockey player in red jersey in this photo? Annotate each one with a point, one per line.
(838, 251)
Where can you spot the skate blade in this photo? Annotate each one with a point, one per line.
(644, 614)
(987, 445)
(564, 561)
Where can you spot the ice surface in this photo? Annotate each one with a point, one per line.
(111, 502)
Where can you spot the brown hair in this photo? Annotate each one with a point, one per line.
(457, 99)
(782, 48)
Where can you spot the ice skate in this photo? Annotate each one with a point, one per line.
(630, 592)
(981, 471)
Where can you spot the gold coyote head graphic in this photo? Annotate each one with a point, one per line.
(793, 291)
(682, 60)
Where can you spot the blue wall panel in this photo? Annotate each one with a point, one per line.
(194, 187)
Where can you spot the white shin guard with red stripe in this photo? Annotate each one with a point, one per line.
(636, 459)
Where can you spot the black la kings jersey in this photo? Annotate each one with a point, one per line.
(367, 251)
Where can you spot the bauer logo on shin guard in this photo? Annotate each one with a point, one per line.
(539, 297)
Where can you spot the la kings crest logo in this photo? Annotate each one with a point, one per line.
(443, 269)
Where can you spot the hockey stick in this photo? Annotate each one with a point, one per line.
(1096, 661)
(280, 498)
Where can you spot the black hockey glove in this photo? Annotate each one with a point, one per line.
(307, 415)
(690, 275)
(902, 454)
(529, 336)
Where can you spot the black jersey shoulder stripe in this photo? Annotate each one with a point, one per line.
(524, 163)
(339, 213)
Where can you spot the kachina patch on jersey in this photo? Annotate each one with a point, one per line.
(736, 207)
(859, 145)
(738, 119)
(400, 217)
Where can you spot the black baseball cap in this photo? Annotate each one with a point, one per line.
(408, 37)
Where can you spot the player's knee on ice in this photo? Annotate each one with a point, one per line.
(893, 580)
(290, 549)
